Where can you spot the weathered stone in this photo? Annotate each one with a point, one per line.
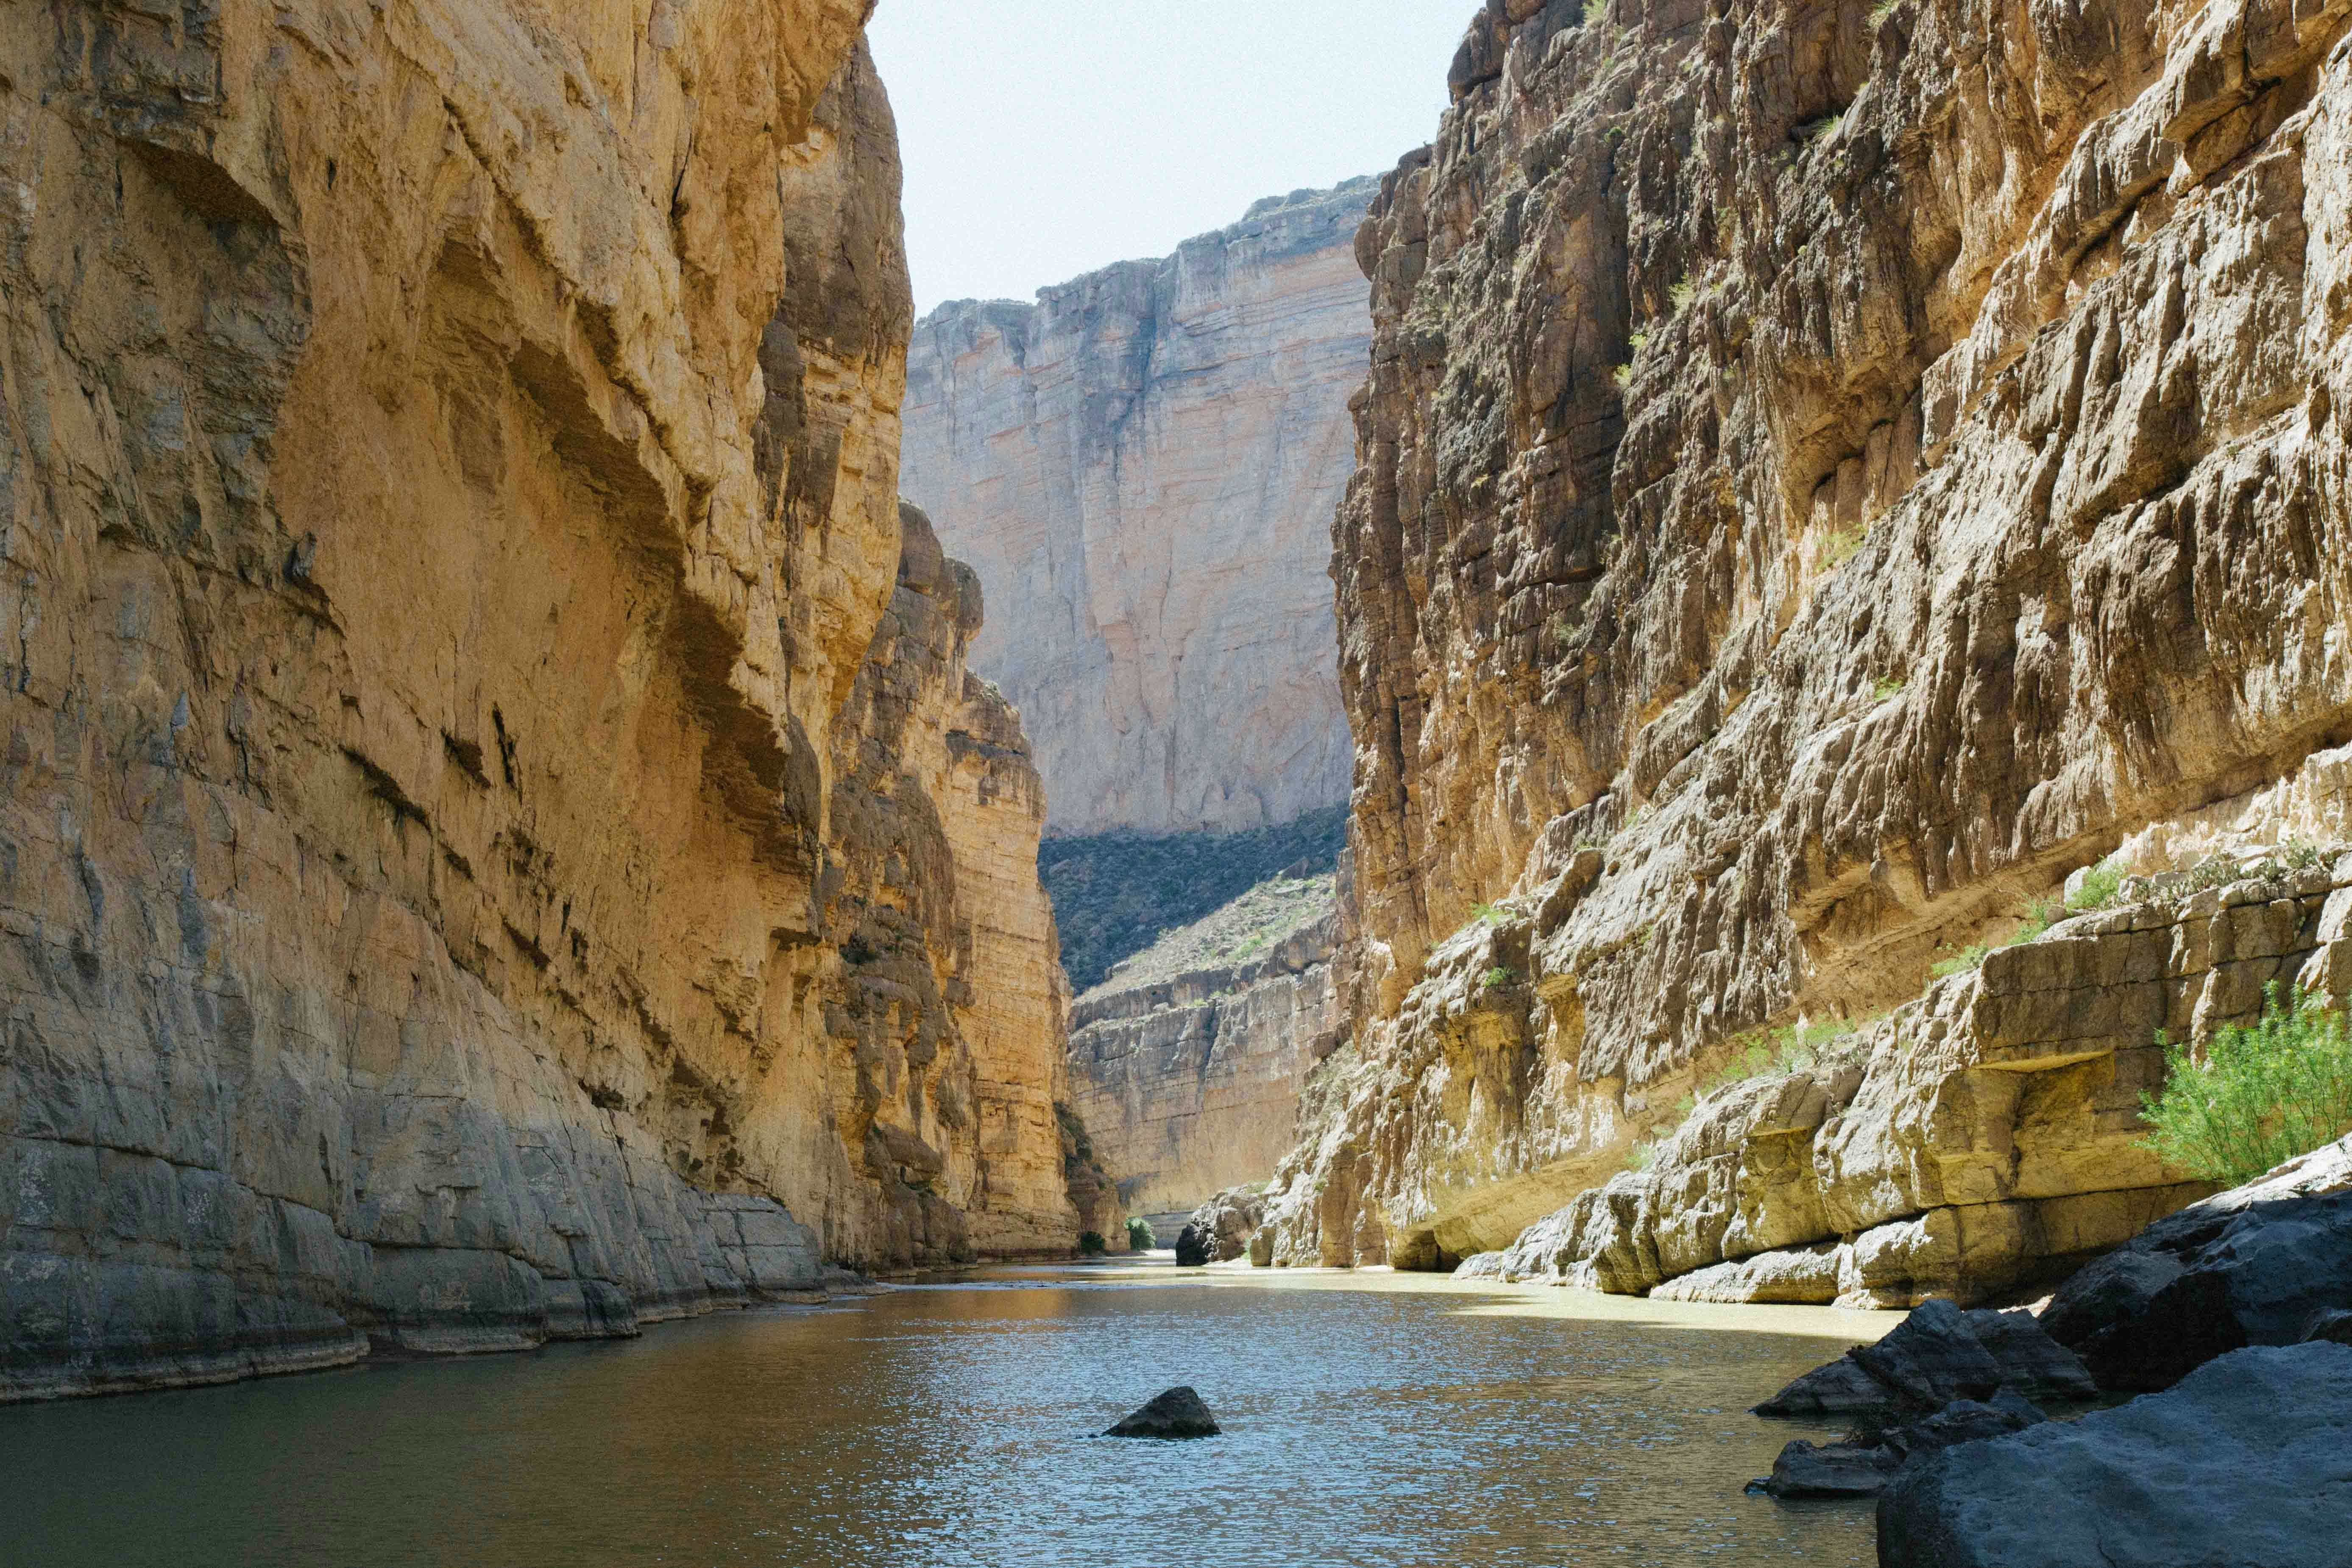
(1939, 1354)
(1142, 467)
(1179, 1412)
(1196, 1246)
(1820, 489)
(498, 824)
(1189, 1084)
(2243, 1464)
(2253, 1266)
(1865, 1462)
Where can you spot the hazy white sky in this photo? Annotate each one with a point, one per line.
(1046, 138)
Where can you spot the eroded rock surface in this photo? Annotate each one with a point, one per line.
(1142, 467)
(2266, 1264)
(1828, 474)
(2244, 1464)
(1189, 1081)
(496, 840)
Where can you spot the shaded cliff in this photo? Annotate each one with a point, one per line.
(1829, 473)
(473, 729)
(1142, 466)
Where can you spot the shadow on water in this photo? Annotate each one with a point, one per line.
(1369, 1420)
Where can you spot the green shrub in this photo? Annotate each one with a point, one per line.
(1641, 1156)
(1960, 963)
(1091, 1243)
(1623, 375)
(2102, 885)
(1498, 977)
(1140, 1237)
(2259, 1094)
(1775, 1052)
(1887, 688)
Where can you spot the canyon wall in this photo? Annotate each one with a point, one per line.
(497, 840)
(1189, 1079)
(1144, 464)
(1830, 472)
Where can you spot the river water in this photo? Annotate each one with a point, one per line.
(1370, 1419)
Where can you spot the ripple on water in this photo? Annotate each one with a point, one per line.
(1369, 1420)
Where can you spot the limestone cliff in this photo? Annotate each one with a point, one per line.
(1829, 473)
(1142, 467)
(496, 839)
(1188, 1063)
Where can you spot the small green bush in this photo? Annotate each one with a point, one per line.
(1777, 1052)
(1681, 294)
(1091, 1243)
(1886, 689)
(1623, 375)
(2102, 885)
(1960, 963)
(1641, 1156)
(2259, 1094)
(1498, 977)
(1140, 1237)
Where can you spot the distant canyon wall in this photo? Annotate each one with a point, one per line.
(1192, 1084)
(1142, 467)
(497, 841)
(1829, 473)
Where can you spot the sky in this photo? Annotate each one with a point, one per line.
(1046, 138)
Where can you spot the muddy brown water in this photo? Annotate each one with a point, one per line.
(1370, 1419)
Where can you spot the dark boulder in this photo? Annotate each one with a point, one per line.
(1195, 1246)
(1938, 1354)
(2255, 1266)
(1179, 1412)
(2242, 1464)
(1866, 1460)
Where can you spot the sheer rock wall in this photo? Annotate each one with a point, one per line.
(1143, 466)
(1191, 1085)
(460, 826)
(1829, 471)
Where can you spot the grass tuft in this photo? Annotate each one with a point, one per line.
(1498, 977)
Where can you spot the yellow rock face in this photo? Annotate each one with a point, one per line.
(448, 501)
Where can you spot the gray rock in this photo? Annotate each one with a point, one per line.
(2243, 1464)
(2253, 1266)
(1862, 1464)
(1939, 1354)
(1179, 1412)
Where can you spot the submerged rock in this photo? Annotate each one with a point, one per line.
(1179, 1412)
(1939, 1354)
(2243, 1464)
(2259, 1265)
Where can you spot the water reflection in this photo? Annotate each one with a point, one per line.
(1370, 1419)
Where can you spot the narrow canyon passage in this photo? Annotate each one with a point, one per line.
(1559, 781)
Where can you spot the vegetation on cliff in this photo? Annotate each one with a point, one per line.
(1115, 894)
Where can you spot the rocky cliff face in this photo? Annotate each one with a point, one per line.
(1829, 473)
(497, 841)
(1142, 467)
(1188, 1078)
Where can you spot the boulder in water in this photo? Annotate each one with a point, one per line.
(2242, 1465)
(1866, 1460)
(1195, 1246)
(1179, 1412)
(2257, 1264)
(1937, 1356)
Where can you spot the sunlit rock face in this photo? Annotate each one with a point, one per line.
(1828, 473)
(496, 839)
(1142, 467)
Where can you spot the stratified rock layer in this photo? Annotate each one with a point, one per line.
(1191, 1084)
(496, 840)
(1142, 467)
(1828, 473)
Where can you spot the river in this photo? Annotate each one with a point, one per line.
(1370, 1418)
